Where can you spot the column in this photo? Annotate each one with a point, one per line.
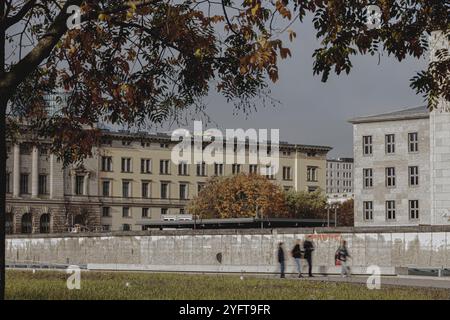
(34, 172)
(16, 171)
(72, 180)
(51, 177)
(86, 184)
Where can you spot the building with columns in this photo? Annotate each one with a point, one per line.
(402, 164)
(130, 180)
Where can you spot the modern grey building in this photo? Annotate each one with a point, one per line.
(339, 179)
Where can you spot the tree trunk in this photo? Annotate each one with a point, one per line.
(2, 195)
(3, 103)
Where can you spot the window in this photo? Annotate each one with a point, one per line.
(24, 183)
(287, 188)
(183, 169)
(27, 223)
(183, 191)
(270, 172)
(106, 227)
(164, 167)
(311, 174)
(413, 176)
(287, 173)
(218, 169)
(106, 212)
(390, 143)
(25, 149)
(107, 164)
(146, 166)
(44, 223)
(43, 151)
(414, 209)
(182, 211)
(9, 223)
(42, 184)
(106, 188)
(235, 168)
(145, 189)
(79, 185)
(126, 227)
(8, 182)
(126, 212)
(164, 211)
(368, 210)
(126, 192)
(390, 210)
(200, 186)
(253, 168)
(164, 190)
(368, 178)
(145, 212)
(201, 169)
(164, 145)
(312, 189)
(367, 145)
(126, 142)
(126, 165)
(413, 142)
(390, 177)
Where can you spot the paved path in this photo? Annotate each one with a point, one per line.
(409, 281)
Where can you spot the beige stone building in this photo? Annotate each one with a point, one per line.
(130, 179)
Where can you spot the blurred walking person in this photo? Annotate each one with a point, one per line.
(308, 247)
(281, 259)
(342, 255)
(297, 255)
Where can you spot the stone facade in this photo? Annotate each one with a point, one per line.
(107, 192)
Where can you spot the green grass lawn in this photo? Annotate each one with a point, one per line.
(109, 285)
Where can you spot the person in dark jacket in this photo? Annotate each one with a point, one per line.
(342, 255)
(308, 247)
(281, 259)
(297, 255)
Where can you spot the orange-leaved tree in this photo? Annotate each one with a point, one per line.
(239, 196)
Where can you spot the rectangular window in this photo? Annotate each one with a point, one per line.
(311, 174)
(164, 190)
(106, 212)
(126, 186)
(126, 212)
(368, 210)
(287, 173)
(183, 169)
(42, 184)
(145, 189)
(414, 209)
(413, 176)
(235, 168)
(106, 188)
(24, 183)
(413, 142)
(270, 172)
(126, 227)
(164, 166)
(183, 191)
(107, 164)
(8, 182)
(200, 186)
(390, 210)
(201, 169)
(367, 146)
(146, 166)
(164, 211)
(79, 185)
(126, 165)
(218, 169)
(145, 213)
(368, 178)
(253, 168)
(390, 143)
(390, 177)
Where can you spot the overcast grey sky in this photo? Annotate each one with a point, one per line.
(312, 112)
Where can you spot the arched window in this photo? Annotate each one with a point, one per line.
(9, 223)
(45, 223)
(79, 220)
(27, 225)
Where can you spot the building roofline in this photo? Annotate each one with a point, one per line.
(415, 113)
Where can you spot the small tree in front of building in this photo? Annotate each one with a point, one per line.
(239, 196)
(304, 204)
